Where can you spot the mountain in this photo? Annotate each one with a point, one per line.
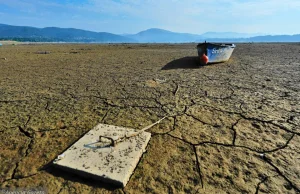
(276, 38)
(268, 38)
(53, 34)
(229, 35)
(153, 35)
(160, 35)
(163, 36)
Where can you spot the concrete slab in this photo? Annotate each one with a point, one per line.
(99, 160)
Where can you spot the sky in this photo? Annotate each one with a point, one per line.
(133, 16)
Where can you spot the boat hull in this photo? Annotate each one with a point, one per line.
(215, 52)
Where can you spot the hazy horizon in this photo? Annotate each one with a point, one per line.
(128, 33)
(132, 16)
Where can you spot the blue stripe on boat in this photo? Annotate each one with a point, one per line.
(216, 52)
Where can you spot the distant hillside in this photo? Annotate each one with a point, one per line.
(277, 38)
(53, 34)
(153, 35)
(268, 38)
(160, 35)
(229, 35)
(163, 36)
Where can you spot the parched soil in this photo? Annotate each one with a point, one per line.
(232, 127)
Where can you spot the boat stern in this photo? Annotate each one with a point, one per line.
(216, 53)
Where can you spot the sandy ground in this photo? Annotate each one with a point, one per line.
(233, 127)
(9, 42)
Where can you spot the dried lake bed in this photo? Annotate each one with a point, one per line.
(233, 127)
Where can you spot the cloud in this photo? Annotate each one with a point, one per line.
(263, 8)
(177, 15)
(152, 8)
(188, 14)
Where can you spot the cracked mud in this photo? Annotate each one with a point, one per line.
(231, 128)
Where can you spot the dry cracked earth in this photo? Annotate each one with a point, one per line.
(231, 128)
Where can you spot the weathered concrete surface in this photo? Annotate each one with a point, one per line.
(232, 127)
(103, 159)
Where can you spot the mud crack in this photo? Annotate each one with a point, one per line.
(176, 89)
(198, 166)
(26, 133)
(281, 174)
(13, 177)
(197, 160)
(243, 147)
(234, 131)
(64, 185)
(282, 147)
(258, 185)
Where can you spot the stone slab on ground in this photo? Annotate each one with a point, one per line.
(101, 161)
